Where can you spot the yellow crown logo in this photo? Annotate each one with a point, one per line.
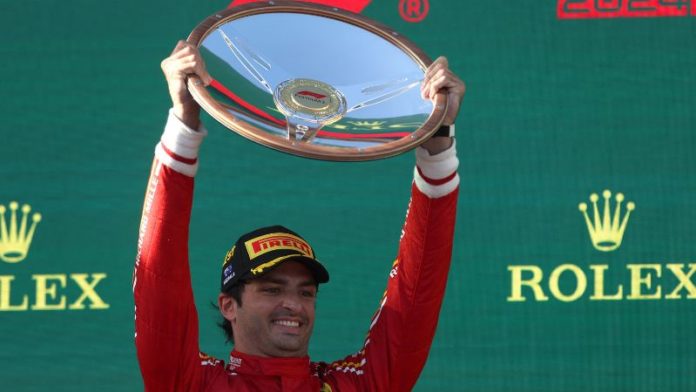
(15, 242)
(606, 233)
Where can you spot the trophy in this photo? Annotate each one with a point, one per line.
(314, 81)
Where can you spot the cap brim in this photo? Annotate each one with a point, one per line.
(321, 275)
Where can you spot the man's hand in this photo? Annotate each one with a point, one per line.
(439, 77)
(184, 60)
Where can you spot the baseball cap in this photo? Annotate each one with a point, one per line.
(262, 250)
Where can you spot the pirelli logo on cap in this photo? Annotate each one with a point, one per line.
(276, 241)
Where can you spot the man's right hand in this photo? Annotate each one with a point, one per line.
(184, 60)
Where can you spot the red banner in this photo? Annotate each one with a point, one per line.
(582, 9)
(349, 5)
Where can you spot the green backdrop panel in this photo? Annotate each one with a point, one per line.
(556, 109)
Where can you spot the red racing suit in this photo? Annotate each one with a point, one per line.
(401, 331)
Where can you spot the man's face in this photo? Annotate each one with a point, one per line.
(277, 313)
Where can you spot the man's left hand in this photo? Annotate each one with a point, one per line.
(438, 77)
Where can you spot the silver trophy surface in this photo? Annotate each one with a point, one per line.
(315, 81)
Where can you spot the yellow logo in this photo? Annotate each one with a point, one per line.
(49, 291)
(229, 255)
(16, 239)
(275, 241)
(637, 281)
(606, 232)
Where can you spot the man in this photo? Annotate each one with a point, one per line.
(270, 276)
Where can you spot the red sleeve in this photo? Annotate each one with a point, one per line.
(403, 327)
(166, 322)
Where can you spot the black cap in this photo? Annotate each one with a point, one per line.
(258, 252)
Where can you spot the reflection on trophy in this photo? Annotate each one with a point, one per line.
(315, 81)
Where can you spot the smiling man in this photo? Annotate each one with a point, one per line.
(270, 276)
(273, 272)
(265, 328)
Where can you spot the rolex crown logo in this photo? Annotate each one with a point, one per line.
(16, 239)
(606, 232)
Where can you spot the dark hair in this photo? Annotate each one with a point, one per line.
(236, 293)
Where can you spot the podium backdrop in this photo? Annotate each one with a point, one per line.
(565, 100)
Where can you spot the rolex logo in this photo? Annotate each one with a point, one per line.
(606, 231)
(633, 281)
(15, 239)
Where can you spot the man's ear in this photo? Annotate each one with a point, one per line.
(228, 307)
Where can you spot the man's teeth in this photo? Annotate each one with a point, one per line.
(287, 323)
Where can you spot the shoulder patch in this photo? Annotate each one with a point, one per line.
(207, 360)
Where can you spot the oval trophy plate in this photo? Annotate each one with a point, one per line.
(314, 81)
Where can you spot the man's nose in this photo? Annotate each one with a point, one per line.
(291, 302)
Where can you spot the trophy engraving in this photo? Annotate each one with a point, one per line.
(308, 105)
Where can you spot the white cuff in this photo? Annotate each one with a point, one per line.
(436, 175)
(180, 139)
(179, 145)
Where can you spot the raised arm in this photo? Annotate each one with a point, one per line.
(166, 324)
(184, 60)
(402, 329)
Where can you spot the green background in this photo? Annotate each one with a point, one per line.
(555, 110)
